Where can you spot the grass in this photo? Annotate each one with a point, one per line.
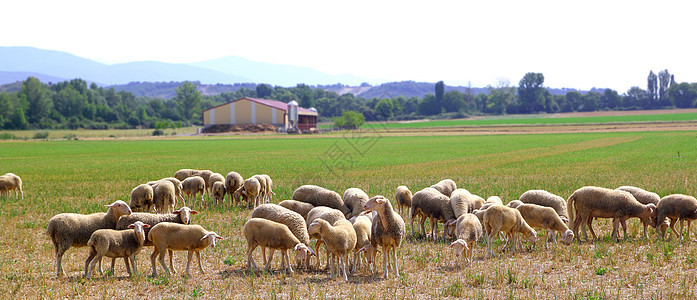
(81, 176)
(66, 134)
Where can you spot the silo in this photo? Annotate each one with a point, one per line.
(293, 115)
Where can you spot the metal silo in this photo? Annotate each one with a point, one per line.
(293, 115)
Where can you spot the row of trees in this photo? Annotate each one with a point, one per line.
(74, 104)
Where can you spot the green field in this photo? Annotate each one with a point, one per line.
(81, 176)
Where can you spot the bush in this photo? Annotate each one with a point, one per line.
(7, 136)
(41, 135)
(158, 132)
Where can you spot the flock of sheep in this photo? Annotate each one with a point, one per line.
(353, 228)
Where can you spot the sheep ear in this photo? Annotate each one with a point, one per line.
(193, 212)
(146, 226)
(452, 244)
(131, 226)
(176, 212)
(219, 237)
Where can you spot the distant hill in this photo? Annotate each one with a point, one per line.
(10, 77)
(167, 89)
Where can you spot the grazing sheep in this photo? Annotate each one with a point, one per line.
(206, 175)
(644, 197)
(184, 174)
(10, 182)
(276, 236)
(388, 231)
(515, 203)
(545, 198)
(269, 187)
(261, 196)
(141, 198)
(499, 218)
(177, 187)
(239, 195)
(74, 230)
(325, 213)
(164, 197)
(297, 206)
(403, 197)
(233, 181)
(194, 185)
(340, 238)
(116, 243)
(462, 202)
(432, 204)
(495, 200)
(595, 202)
(167, 237)
(445, 187)
(294, 221)
(319, 196)
(251, 190)
(215, 177)
(354, 199)
(468, 230)
(218, 192)
(538, 216)
(676, 207)
(362, 225)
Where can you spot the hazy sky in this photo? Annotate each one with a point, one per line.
(576, 44)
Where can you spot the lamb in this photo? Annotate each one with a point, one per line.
(270, 234)
(545, 198)
(403, 197)
(499, 218)
(644, 197)
(116, 243)
(319, 196)
(215, 177)
(462, 202)
(445, 186)
(595, 202)
(468, 231)
(261, 196)
(177, 187)
(325, 213)
(74, 230)
(233, 181)
(294, 221)
(388, 231)
(362, 225)
(206, 175)
(538, 216)
(340, 238)
(676, 207)
(251, 190)
(141, 198)
(354, 199)
(168, 236)
(194, 185)
(301, 208)
(218, 192)
(430, 203)
(164, 197)
(10, 182)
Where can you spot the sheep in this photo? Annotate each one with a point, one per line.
(206, 175)
(294, 221)
(74, 230)
(168, 236)
(177, 187)
(595, 202)
(194, 185)
(141, 198)
(164, 197)
(514, 203)
(299, 207)
(468, 231)
(116, 243)
(218, 192)
(676, 207)
(354, 199)
(269, 187)
(538, 216)
(445, 186)
(340, 238)
(9, 182)
(261, 196)
(362, 225)
(319, 196)
(545, 198)
(215, 177)
(462, 201)
(403, 197)
(233, 181)
(432, 204)
(251, 190)
(184, 174)
(325, 213)
(239, 195)
(644, 197)
(277, 236)
(499, 218)
(496, 200)
(388, 231)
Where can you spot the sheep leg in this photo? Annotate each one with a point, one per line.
(161, 258)
(343, 260)
(60, 250)
(575, 225)
(394, 261)
(422, 221)
(134, 263)
(688, 229)
(284, 254)
(615, 229)
(128, 267)
(171, 265)
(113, 262)
(152, 261)
(250, 258)
(623, 222)
(268, 261)
(89, 259)
(92, 264)
(263, 256)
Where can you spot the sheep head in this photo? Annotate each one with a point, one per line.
(211, 237)
(568, 237)
(121, 207)
(459, 247)
(450, 227)
(370, 252)
(316, 226)
(185, 214)
(303, 252)
(138, 228)
(376, 203)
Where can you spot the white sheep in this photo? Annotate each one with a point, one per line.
(261, 197)
(403, 197)
(545, 198)
(141, 198)
(445, 187)
(269, 188)
(164, 197)
(276, 236)
(218, 192)
(462, 202)
(644, 197)
(215, 177)
(251, 190)
(194, 185)
(676, 207)
(499, 218)
(297, 206)
(74, 230)
(388, 231)
(362, 225)
(328, 214)
(514, 203)
(233, 181)
(468, 230)
(544, 217)
(116, 243)
(319, 196)
(206, 175)
(10, 182)
(177, 187)
(432, 204)
(294, 221)
(354, 199)
(183, 174)
(340, 238)
(167, 237)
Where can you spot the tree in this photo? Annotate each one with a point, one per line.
(531, 92)
(188, 99)
(575, 100)
(664, 81)
(384, 109)
(684, 95)
(37, 96)
(635, 98)
(349, 120)
(18, 119)
(652, 87)
(610, 99)
(440, 91)
(500, 97)
(428, 106)
(264, 90)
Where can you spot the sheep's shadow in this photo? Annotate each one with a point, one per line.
(322, 278)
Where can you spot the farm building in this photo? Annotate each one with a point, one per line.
(260, 111)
